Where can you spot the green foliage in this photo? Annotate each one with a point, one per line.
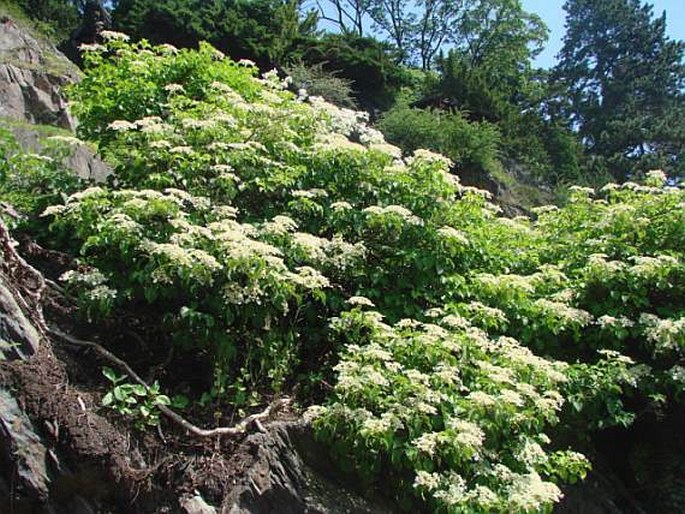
(319, 82)
(549, 151)
(55, 18)
(367, 63)
(29, 182)
(498, 32)
(623, 80)
(258, 230)
(262, 30)
(134, 400)
(471, 145)
(453, 417)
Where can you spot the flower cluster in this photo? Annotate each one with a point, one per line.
(439, 417)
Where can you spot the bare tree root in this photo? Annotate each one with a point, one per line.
(235, 430)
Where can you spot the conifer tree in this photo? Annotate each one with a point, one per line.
(624, 81)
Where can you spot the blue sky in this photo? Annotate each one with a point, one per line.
(553, 15)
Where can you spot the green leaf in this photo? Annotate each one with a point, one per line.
(110, 374)
(162, 399)
(180, 401)
(119, 393)
(139, 390)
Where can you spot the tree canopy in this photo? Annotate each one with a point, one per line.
(623, 81)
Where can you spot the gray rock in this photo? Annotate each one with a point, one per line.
(32, 75)
(196, 505)
(291, 474)
(19, 286)
(87, 165)
(33, 96)
(19, 337)
(21, 445)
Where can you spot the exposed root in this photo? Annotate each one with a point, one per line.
(235, 430)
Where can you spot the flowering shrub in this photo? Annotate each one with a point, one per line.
(451, 415)
(259, 228)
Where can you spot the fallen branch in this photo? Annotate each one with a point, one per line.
(235, 430)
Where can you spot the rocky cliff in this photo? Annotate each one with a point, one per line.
(32, 75)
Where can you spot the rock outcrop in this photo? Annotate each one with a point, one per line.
(290, 473)
(32, 75)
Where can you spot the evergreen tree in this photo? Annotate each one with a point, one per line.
(262, 30)
(623, 81)
(59, 17)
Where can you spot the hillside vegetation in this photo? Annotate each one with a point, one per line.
(458, 358)
(456, 77)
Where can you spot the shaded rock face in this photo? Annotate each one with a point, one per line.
(20, 287)
(30, 87)
(290, 473)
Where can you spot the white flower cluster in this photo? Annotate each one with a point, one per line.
(93, 281)
(581, 192)
(466, 433)
(309, 193)
(341, 206)
(347, 122)
(565, 314)
(667, 335)
(530, 453)
(174, 88)
(393, 210)
(88, 278)
(309, 278)
(122, 126)
(504, 285)
(378, 427)
(359, 301)
(529, 493)
(179, 258)
(677, 374)
(279, 225)
(427, 156)
(600, 269)
(607, 322)
(454, 235)
(545, 209)
(651, 268)
(470, 190)
(110, 35)
(480, 313)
